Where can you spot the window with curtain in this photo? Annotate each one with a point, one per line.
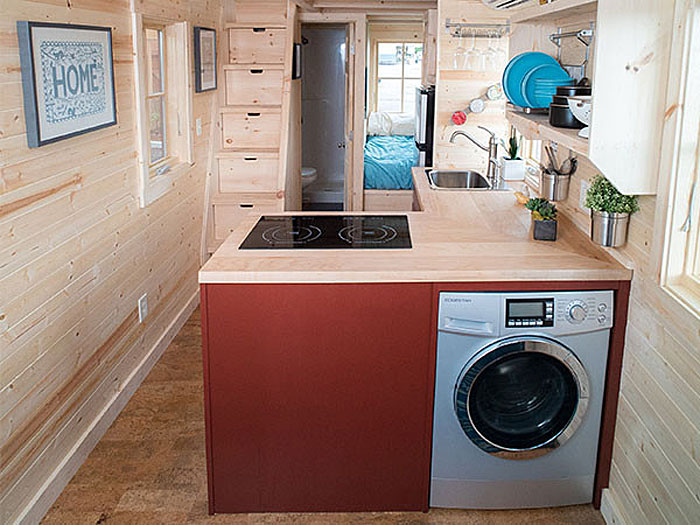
(399, 66)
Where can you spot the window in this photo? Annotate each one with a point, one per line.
(162, 68)
(155, 97)
(680, 272)
(399, 66)
(532, 154)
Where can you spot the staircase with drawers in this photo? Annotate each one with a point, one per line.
(249, 171)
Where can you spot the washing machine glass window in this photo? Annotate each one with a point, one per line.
(521, 398)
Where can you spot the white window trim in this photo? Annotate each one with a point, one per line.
(680, 150)
(156, 180)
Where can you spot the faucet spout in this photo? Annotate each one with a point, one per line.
(460, 133)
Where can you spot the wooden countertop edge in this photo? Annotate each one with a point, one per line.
(440, 208)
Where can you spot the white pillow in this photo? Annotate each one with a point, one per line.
(402, 124)
(383, 123)
(379, 124)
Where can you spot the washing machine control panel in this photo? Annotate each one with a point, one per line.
(530, 312)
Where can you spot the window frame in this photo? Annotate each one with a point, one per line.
(402, 78)
(679, 190)
(404, 32)
(153, 166)
(157, 178)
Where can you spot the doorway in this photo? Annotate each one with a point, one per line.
(323, 115)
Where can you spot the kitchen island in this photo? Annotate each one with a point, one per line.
(320, 364)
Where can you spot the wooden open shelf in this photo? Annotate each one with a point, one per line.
(537, 127)
(558, 9)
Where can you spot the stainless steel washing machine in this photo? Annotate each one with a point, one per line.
(518, 398)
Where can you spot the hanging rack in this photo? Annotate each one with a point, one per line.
(584, 36)
(459, 29)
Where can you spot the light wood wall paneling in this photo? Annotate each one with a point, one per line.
(456, 88)
(76, 252)
(660, 387)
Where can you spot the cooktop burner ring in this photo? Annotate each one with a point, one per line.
(355, 234)
(283, 235)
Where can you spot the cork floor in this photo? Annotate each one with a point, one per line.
(149, 468)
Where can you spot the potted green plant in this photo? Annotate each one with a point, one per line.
(512, 166)
(610, 212)
(544, 218)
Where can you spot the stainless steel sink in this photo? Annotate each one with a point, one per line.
(457, 180)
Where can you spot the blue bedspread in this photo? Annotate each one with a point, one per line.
(388, 162)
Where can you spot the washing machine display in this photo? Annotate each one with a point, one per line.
(522, 397)
(518, 377)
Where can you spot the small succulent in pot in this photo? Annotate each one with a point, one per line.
(544, 216)
(513, 167)
(610, 212)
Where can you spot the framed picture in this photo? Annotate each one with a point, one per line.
(204, 59)
(67, 80)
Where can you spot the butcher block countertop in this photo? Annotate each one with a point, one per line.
(459, 236)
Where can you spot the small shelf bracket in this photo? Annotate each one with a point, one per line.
(585, 37)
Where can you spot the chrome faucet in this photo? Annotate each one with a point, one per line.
(492, 149)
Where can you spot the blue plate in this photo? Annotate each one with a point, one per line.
(517, 68)
(529, 87)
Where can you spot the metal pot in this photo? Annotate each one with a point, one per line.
(609, 229)
(554, 186)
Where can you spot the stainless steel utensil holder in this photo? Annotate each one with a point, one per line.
(553, 186)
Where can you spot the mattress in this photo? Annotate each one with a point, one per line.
(388, 162)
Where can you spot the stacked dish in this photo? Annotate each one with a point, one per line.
(530, 79)
(560, 114)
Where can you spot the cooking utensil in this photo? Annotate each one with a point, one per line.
(560, 116)
(552, 157)
(580, 106)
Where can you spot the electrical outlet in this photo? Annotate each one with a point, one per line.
(582, 196)
(198, 126)
(143, 307)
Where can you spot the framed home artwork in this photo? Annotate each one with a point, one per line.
(67, 80)
(204, 59)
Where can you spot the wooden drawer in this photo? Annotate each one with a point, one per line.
(252, 86)
(251, 129)
(227, 215)
(254, 11)
(248, 172)
(256, 45)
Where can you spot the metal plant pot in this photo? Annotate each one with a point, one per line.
(545, 230)
(609, 229)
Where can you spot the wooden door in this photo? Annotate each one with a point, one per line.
(349, 114)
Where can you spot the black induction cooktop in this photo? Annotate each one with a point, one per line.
(328, 232)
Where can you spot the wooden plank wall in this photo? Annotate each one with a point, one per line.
(456, 88)
(655, 475)
(76, 252)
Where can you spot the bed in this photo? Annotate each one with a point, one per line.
(389, 155)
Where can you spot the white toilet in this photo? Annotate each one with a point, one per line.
(308, 176)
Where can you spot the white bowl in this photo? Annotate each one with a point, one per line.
(580, 106)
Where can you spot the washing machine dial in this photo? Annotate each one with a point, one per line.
(576, 312)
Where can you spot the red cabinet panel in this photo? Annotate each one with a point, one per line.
(319, 397)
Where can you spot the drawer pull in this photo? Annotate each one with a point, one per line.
(229, 141)
(246, 205)
(258, 30)
(256, 71)
(253, 115)
(250, 159)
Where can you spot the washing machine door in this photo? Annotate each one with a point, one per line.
(522, 397)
